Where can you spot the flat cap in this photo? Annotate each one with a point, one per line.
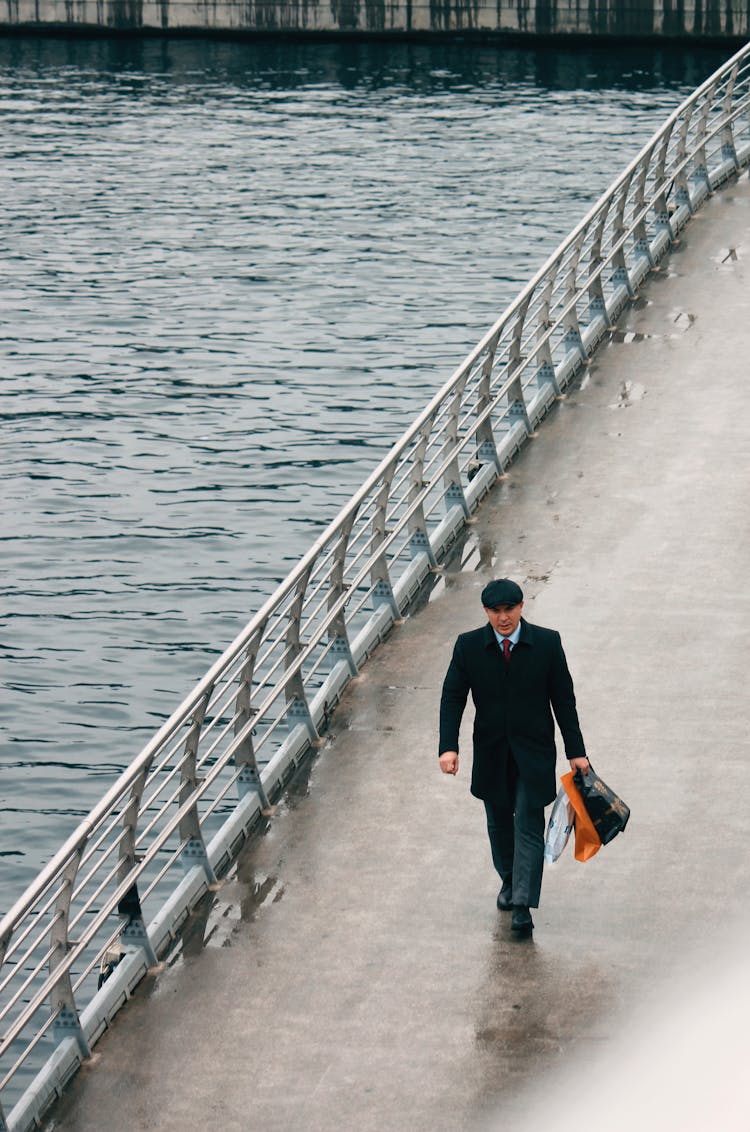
(502, 591)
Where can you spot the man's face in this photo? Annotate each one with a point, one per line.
(504, 618)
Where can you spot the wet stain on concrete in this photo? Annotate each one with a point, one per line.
(684, 320)
(630, 392)
(237, 902)
(726, 257)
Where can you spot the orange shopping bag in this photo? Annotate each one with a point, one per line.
(588, 841)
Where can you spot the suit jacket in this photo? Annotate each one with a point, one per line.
(514, 704)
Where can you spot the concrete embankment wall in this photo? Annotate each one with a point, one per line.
(705, 19)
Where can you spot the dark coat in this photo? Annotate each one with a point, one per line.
(514, 704)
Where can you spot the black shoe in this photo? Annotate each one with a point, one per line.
(522, 923)
(505, 897)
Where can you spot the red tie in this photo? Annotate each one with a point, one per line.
(506, 650)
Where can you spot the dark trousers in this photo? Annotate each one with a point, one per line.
(516, 836)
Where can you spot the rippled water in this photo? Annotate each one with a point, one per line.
(231, 275)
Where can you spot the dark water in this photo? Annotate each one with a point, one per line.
(231, 275)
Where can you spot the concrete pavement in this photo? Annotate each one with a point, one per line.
(353, 971)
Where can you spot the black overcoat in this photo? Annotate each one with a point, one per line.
(514, 704)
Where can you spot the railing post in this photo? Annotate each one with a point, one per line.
(572, 339)
(133, 932)
(419, 539)
(298, 709)
(249, 780)
(597, 302)
(660, 207)
(67, 1023)
(380, 576)
(454, 491)
(700, 170)
(546, 373)
(728, 148)
(682, 195)
(485, 436)
(516, 400)
(338, 633)
(191, 834)
(515, 393)
(621, 273)
(642, 246)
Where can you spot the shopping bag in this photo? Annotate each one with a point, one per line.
(587, 840)
(607, 811)
(559, 827)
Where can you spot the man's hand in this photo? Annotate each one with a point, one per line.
(579, 764)
(449, 762)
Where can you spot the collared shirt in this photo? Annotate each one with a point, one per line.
(513, 638)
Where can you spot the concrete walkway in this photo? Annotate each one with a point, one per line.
(354, 973)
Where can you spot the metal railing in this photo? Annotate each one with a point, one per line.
(111, 901)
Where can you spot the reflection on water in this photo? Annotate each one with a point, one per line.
(231, 275)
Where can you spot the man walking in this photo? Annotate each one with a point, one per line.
(518, 676)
